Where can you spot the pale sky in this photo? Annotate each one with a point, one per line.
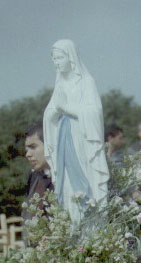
(106, 32)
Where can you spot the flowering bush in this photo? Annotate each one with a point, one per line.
(108, 235)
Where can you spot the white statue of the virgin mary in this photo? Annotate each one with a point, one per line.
(74, 133)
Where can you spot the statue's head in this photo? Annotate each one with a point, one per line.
(64, 55)
(61, 60)
(66, 59)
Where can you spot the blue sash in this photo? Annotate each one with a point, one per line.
(67, 158)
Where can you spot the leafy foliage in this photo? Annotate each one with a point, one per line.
(110, 235)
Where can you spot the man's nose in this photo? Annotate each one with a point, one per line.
(28, 154)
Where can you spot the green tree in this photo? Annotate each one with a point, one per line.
(122, 111)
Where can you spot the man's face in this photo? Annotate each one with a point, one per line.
(117, 141)
(35, 152)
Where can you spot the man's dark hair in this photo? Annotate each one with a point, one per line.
(112, 130)
(36, 128)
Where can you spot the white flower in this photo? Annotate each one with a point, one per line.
(117, 258)
(79, 194)
(139, 218)
(118, 200)
(34, 221)
(139, 173)
(136, 209)
(121, 246)
(36, 195)
(105, 241)
(126, 208)
(36, 198)
(128, 234)
(91, 203)
(133, 204)
(111, 246)
(27, 222)
(45, 203)
(88, 259)
(32, 208)
(101, 247)
(124, 171)
(24, 205)
(117, 243)
(27, 255)
(47, 209)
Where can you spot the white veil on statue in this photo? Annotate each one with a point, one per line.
(83, 106)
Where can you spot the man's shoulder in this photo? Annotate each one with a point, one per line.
(135, 147)
(40, 177)
(31, 178)
(117, 157)
(32, 175)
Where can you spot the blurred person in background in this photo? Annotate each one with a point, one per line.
(115, 139)
(136, 147)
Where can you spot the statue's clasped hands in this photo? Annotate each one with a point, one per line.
(61, 102)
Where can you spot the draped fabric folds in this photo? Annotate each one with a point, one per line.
(67, 158)
(83, 106)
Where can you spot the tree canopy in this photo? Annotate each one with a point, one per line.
(122, 111)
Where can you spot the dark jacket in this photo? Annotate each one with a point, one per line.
(38, 182)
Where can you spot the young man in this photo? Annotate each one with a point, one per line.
(115, 139)
(40, 177)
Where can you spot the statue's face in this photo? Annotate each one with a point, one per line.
(61, 61)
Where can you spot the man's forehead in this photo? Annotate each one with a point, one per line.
(32, 139)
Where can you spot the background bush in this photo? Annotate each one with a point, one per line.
(14, 168)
